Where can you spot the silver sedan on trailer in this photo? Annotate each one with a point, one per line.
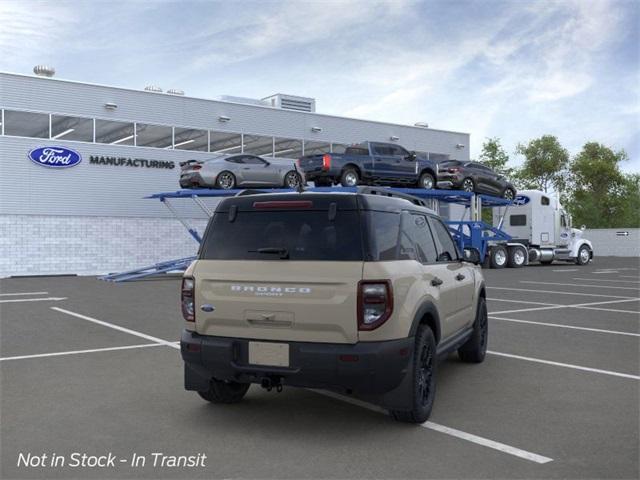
(240, 170)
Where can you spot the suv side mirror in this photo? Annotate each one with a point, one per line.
(412, 156)
(471, 255)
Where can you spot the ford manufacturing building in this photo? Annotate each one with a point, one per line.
(91, 217)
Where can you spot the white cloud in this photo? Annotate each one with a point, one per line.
(32, 29)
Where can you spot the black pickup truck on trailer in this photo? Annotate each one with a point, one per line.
(370, 163)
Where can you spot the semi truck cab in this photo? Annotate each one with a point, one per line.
(538, 221)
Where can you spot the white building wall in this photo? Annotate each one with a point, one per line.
(54, 245)
(612, 241)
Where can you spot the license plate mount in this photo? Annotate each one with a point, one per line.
(269, 354)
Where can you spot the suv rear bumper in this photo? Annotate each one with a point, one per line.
(365, 367)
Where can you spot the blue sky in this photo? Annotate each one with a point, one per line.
(510, 69)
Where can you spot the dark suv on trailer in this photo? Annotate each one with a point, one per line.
(474, 177)
(352, 292)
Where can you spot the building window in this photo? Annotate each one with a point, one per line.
(315, 148)
(114, 133)
(258, 145)
(157, 136)
(26, 124)
(190, 139)
(71, 128)
(225, 142)
(287, 148)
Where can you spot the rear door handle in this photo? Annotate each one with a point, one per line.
(460, 277)
(436, 282)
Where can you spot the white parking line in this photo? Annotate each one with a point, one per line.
(516, 452)
(632, 312)
(559, 293)
(23, 293)
(469, 437)
(582, 285)
(586, 329)
(587, 306)
(47, 299)
(118, 327)
(521, 301)
(604, 280)
(565, 365)
(534, 309)
(628, 276)
(76, 352)
(567, 270)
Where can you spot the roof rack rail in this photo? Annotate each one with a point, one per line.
(387, 192)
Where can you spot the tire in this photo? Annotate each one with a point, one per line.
(427, 181)
(292, 179)
(498, 256)
(468, 185)
(424, 378)
(225, 180)
(349, 177)
(517, 257)
(225, 392)
(584, 255)
(508, 194)
(475, 349)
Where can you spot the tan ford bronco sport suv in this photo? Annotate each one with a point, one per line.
(358, 293)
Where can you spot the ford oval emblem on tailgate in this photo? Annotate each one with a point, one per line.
(55, 157)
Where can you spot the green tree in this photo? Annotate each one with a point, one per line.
(494, 156)
(545, 164)
(600, 195)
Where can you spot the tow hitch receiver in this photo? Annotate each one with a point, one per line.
(269, 383)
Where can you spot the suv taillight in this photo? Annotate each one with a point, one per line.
(188, 309)
(375, 303)
(326, 161)
(196, 167)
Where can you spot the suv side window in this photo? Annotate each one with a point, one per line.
(415, 228)
(447, 251)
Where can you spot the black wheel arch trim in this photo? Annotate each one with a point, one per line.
(430, 171)
(430, 310)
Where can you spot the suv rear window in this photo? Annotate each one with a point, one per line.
(295, 235)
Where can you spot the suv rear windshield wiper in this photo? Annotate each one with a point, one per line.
(283, 252)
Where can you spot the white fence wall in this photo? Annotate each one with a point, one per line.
(613, 241)
(50, 245)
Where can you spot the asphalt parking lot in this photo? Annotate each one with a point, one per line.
(92, 367)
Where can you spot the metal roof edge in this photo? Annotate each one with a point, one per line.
(145, 92)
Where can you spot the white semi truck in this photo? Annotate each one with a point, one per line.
(540, 231)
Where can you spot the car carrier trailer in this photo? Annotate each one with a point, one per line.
(496, 245)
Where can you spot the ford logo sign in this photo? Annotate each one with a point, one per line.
(55, 157)
(521, 200)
